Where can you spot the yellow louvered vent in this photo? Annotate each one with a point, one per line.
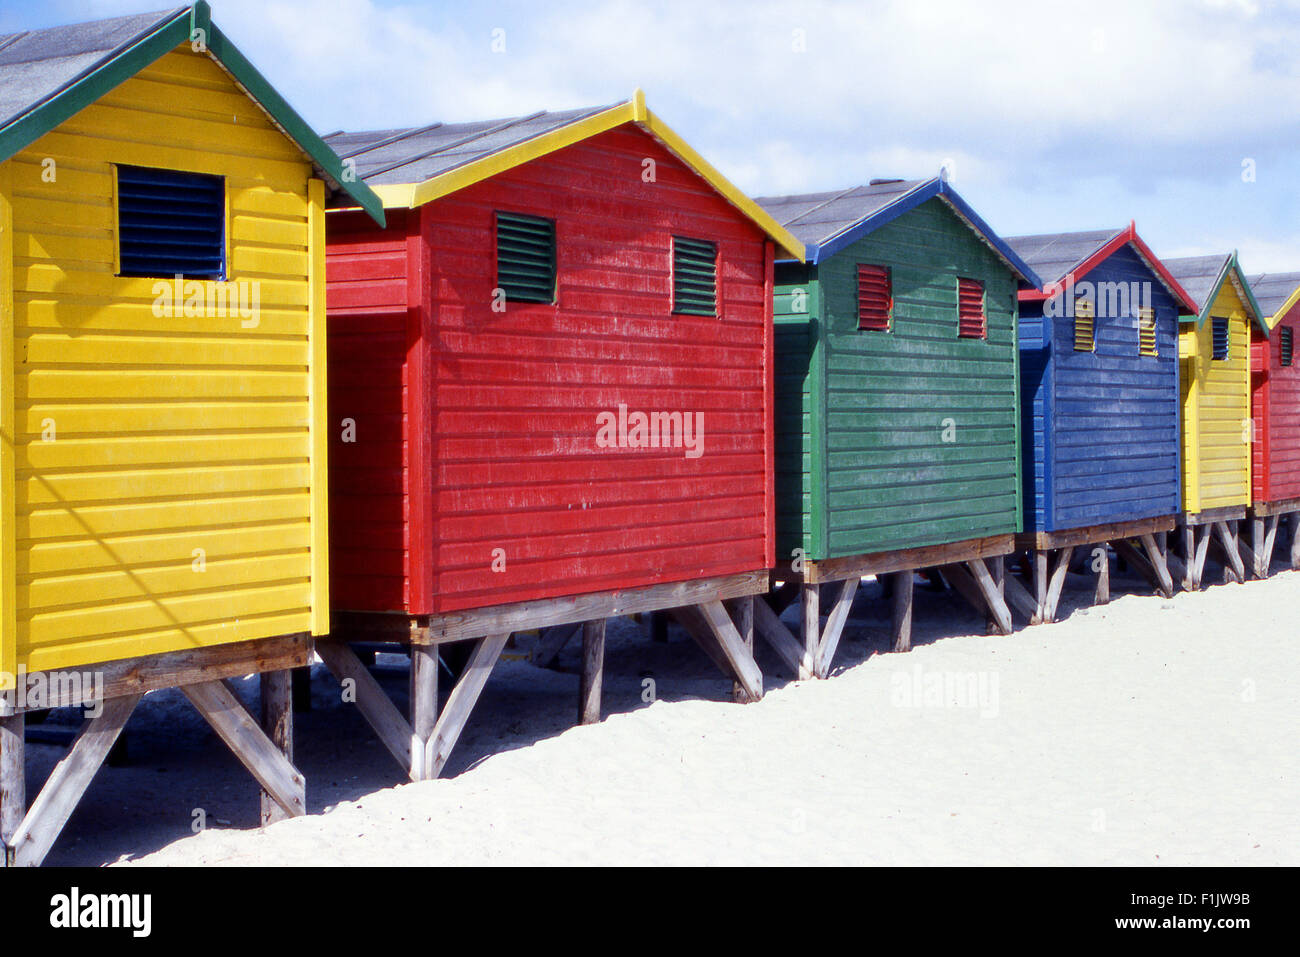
(1084, 336)
(1147, 332)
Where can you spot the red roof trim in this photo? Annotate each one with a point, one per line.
(1120, 239)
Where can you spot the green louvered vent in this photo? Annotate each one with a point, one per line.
(695, 277)
(526, 258)
(1288, 346)
(1219, 336)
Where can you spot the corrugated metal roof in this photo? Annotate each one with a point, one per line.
(1273, 289)
(1199, 275)
(1053, 255)
(416, 154)
(38, 64)
(817, 218)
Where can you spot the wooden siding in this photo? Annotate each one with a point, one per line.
(511, 398)
(1275, 460)
(799, 451)
(891, 480)
(171, 433)
(1104, 442)
(1216, 409)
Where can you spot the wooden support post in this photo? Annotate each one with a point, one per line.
(461, 701)
(361, 688)
(781, 639)
(553, 640)
(998, 570)
(68, 782)
(1295, 540)
(1257, 535)
(904, 582)
(1159, 565)
(993, 598)
(1202, 550)
(424, 707)
(1056, 583)
(742, 613)
(1102, 561)
(236, 727)
(1270, 540)
(1041, 584)
(1188, 538)
(276, 692)
(740, 658)
(1228, 539)
(1018, 595)
(13, 782)
(593, 669)
(812, 621)
(835, 622)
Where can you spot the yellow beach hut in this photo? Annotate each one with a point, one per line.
(162, 413)
(1214, 370)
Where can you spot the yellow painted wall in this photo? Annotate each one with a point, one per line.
(170, 434)
(1216, 410)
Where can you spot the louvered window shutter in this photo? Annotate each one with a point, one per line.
(525, 257)
(875, 298)
(695, 277)
(1147, 332)
(1084, 331)
(1219, 332)
(170, 223)
(1288, 345)
(971, 321)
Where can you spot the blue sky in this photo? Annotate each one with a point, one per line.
(1053, 116)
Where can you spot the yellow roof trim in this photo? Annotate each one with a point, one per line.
(783, 237)
(410, 195)
(1286, 307)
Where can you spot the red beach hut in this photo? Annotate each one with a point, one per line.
(551, 398)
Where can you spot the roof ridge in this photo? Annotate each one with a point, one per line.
(460, 142)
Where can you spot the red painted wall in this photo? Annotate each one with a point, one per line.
(476, 429)
(1275, 406)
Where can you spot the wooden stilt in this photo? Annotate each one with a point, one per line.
(997, 569)
(1257, 535)
(68, 782)
(1102, 595)
(742, 613)
(1270, 541)
(740, 658)
(835, 621)
(1056, 584)
(593, 669)
(810, 596)
(1018, 595)
(1188, 537)
(1041, 583)
(375, 706)
(993, 598)
(902, 618)
(236, 727)
(1159, 565)
(13, 782)
(461, 701)
(276, 693)
(554, 639)
(424, 707)
(1202, 550)
(781, 640)
(1227, 537)
(1295, 540)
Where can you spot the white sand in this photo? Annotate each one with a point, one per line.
(1146, 732)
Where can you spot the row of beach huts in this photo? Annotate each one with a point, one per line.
(266, 395)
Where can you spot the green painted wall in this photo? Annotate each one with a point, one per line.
(908, 437)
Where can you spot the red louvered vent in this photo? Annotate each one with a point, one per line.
(971, 323)
(875, 298)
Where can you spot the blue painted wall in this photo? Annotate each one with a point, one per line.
(1100, 428)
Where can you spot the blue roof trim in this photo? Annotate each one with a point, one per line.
(928, 190)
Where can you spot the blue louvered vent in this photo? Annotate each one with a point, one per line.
(1220, 333)
(171, 223)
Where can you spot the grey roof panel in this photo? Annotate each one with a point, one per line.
(1198, 274)
(1273, 289)
(389, 157)
(1054, 254)
(816, 218)
(39, 63)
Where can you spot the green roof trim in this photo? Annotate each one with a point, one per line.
(1248, 295)
(170, 32)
